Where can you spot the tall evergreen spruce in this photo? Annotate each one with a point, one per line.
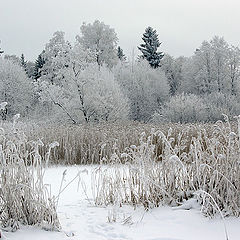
(150, 46)
(1, 51)
(38, 65)
(120, 54)
(23, 63)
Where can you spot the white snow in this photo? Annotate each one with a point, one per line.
(81, 220)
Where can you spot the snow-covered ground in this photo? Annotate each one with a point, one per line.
(81, 220)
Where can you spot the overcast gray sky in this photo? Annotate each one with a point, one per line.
(27, 25)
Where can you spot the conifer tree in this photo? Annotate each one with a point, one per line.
(38, 66)
(23, 63)
(1, 51)
(150, 46)
(120, 54)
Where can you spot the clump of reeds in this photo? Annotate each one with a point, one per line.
(24, 198)
(205, 166)
(82, 144)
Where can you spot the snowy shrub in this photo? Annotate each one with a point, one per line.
(190, 108)
(219, 104)
(183, 108)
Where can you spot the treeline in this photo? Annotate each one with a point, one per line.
(92, 80)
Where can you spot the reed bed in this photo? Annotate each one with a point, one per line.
(94, 144)
(153, 165)
(24, 199)
(198, 163)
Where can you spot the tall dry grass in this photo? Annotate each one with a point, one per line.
(83, 144)
(24, 198)
(199, 162)
(154, 165)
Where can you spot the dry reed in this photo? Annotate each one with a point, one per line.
(24, 198)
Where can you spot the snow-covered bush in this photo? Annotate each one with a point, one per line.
(190, 108)
(219, 104)
(183, 108)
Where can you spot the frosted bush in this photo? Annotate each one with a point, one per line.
(219, 104)
(183, 108)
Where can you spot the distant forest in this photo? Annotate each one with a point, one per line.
(91, 80)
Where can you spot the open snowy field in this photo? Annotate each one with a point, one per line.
(82, 220)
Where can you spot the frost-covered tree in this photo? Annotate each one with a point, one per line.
(220, 50)
(30, 68)
(147, 88)
(198, 72)
(15, 88)
(84, 93)
(150, 46)
(173, 71)
(101, 39)
(234, 69)
(56, 45)
(13, 58)
(27, 66)
(183, 108)
(207, 70)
